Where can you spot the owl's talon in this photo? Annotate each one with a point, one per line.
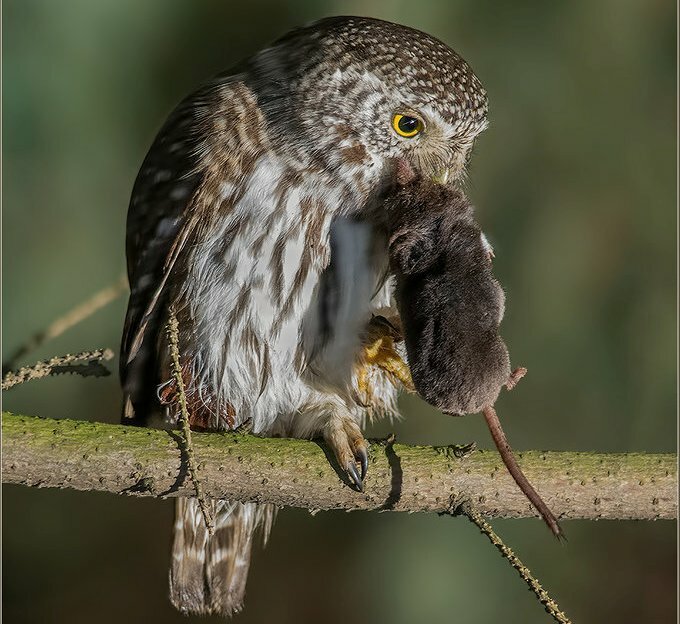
(344, 437)
(379, 351)
(362, 456)
(354, 474)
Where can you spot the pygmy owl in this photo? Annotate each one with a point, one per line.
(257, 215)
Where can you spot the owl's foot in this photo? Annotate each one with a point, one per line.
(379, 350)
(344, 437)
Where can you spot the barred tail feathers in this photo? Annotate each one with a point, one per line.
(208, 573)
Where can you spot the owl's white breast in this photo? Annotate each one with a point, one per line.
(253, 292)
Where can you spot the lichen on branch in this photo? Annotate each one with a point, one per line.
(286, 472)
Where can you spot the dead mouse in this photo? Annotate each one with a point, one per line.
(451, 307)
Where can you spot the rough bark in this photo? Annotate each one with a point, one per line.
(148, 462)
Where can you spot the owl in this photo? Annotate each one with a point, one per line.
(257, 216)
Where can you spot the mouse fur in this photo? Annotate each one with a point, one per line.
(450, 304)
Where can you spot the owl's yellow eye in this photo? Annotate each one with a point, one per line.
(406, 126)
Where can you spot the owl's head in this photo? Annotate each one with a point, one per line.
(353, 94)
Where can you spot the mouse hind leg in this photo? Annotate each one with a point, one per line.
(515, 377)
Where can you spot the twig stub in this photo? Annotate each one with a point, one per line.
(86, 364)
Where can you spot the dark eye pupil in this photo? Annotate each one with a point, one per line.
(408, 124)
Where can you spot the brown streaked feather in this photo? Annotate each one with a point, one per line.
(176, 197)
(177, 247)
(208, 574)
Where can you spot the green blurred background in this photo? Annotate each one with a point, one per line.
(575, 184)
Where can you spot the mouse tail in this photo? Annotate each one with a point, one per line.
(511, 464)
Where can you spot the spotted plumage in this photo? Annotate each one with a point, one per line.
(257, 215)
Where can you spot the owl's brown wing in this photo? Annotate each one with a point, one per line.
(213, 138)
(158, 224)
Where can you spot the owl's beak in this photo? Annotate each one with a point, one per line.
(441, 176)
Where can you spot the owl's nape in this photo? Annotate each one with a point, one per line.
(256, 215)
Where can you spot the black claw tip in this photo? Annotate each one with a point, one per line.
(362, 456)
(354, 474)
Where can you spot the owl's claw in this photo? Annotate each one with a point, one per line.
(344, 437)
(362, 455)
(354, 473)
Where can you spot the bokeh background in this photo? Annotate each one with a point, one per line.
(575, 184)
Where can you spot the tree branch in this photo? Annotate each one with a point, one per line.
(148, 462)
